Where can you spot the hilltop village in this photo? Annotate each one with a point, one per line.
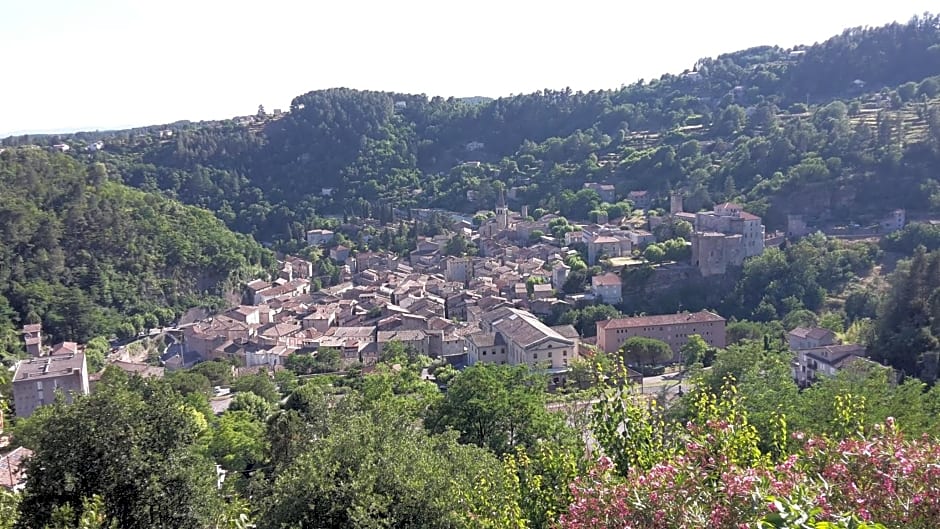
(480, 292)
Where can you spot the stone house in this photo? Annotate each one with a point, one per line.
(607, 288)
(320, 237)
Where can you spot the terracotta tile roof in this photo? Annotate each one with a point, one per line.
(12, 467)
(64, 348)
(144, 370)
(661, 319)
(835, 355)
(401, 335)
(522, 327)
(568, 331)
(485, 339)
(606, 280)
(814, 333)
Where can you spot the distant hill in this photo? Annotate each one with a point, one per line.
(88, 256)
(475, 100)
(845, 129)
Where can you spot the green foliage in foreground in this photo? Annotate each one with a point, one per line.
(713, 473)
(379, 468)
(908, 326)
(499, 408)
(386, 449)
(134, 447)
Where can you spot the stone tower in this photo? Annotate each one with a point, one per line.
(32, 334)
(675, 202)
(502, 211)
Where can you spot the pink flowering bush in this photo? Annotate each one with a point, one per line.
(885, 477)
(857, 482)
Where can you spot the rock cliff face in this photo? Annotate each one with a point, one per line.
(675, 287)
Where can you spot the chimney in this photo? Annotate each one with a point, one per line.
(525, 211)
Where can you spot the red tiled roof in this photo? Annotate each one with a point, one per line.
(12, 470)
(606, 280)
(815, 333)
(661, 319)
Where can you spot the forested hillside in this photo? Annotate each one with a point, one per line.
(87, 256)
(841, 130)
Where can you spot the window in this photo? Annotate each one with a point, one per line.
(535, 356)
(549, 354)
(484, 353)
(564, 353)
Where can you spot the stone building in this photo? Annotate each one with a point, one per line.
(607, 288)
(513, 336)
(606, 244)
(607, 192)
(458, 269)
(560, 274)
(32, 334)
(725, 237)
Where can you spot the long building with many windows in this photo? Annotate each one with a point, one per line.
(674, 329)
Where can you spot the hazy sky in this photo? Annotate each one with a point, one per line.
(96, 64)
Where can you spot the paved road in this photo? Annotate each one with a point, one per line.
(671, 382)
(651, 385)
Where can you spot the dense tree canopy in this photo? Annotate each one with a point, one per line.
(498, 407)
(85, 255)
(135, 447)
(378, 470)
(638, 350)
(908, 328)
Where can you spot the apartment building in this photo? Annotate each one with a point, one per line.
(37, 380)
(674, 329)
